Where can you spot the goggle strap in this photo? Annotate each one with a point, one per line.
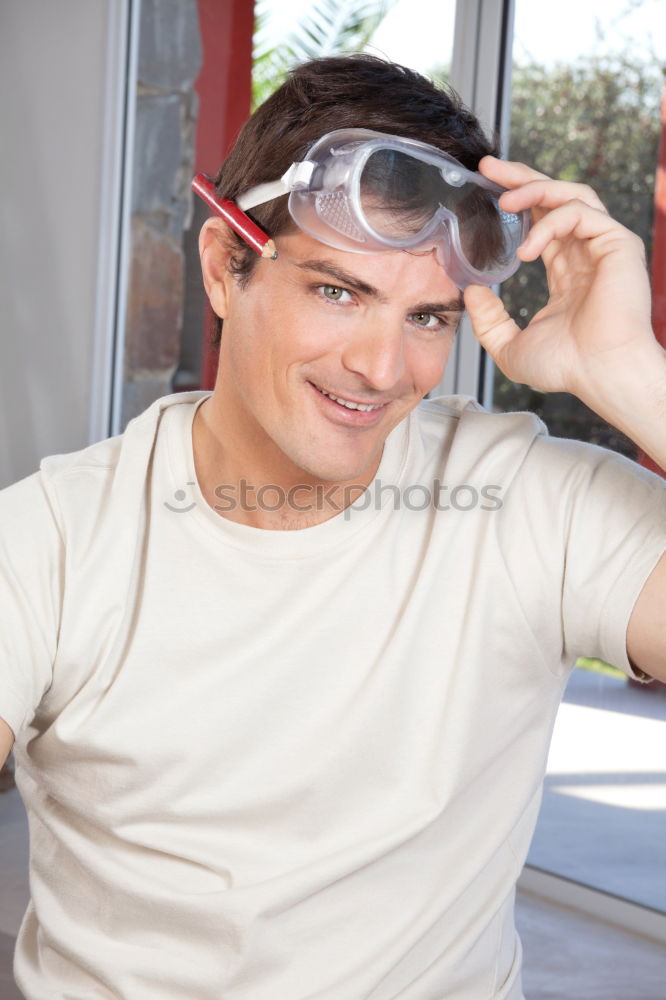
(260, 194)
(298, 175)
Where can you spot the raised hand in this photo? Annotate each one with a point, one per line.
(594, 337)
(597, 319)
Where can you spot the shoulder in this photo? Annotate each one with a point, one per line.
(471, 441)
(69, 489)
(137, 439)
(514, 449)
(471, 419)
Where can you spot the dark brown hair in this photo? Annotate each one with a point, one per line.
(353, 91)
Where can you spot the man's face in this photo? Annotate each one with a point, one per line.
(374, 331)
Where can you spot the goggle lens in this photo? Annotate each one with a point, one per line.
(403, 198)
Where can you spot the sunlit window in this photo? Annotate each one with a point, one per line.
(586, 107)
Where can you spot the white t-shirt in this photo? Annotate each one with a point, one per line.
(279, 765)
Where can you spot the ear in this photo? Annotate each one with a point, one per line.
(215, 248)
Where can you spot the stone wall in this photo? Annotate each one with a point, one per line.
(166, 109)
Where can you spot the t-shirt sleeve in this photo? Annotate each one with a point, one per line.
(612, 522)
(31, 585)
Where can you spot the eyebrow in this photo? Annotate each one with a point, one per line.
(323, 266)
(455, 305)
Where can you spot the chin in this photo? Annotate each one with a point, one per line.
(328, 470)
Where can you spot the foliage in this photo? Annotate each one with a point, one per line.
(331, 27)
(596, 121)
(599, 667)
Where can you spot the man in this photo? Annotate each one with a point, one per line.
(283, 660)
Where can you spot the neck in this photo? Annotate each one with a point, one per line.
(260, 487)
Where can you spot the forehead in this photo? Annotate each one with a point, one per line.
(386, 276)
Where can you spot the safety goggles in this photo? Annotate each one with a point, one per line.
(367, 192)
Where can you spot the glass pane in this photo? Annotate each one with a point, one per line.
(418, 34)
(585, 107)
(290, 31)
(593, 118)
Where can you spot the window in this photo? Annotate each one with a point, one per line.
(594, 116)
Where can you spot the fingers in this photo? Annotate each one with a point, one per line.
(548, 194)
(577, 219)
(528, 188)
(508, 173)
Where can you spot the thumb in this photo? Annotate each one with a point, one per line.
(492, 325)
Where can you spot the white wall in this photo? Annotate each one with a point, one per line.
(54, 78)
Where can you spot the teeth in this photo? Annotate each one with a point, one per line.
(349, 405)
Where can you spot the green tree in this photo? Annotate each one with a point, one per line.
(598, 122)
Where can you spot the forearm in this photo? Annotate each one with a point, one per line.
(633, 399)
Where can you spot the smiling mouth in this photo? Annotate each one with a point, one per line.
(349, 403)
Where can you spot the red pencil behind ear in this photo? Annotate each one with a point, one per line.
(234, 217)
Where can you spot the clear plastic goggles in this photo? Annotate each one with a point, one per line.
(367, 192)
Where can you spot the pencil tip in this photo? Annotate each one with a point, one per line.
(269, 250)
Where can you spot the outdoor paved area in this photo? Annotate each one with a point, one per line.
(603, 816)
(571, 956)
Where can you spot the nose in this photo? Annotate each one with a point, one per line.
(376, 353)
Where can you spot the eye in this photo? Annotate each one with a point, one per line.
(334, 293)
(426, 320)
(431, 323)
